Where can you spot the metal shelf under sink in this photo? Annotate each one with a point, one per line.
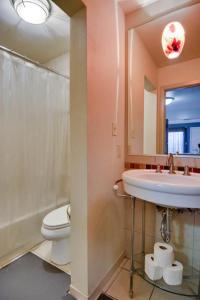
(189, 286)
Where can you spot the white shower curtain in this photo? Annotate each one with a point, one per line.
(34, 131)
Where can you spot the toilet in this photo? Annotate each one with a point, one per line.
(56, 228)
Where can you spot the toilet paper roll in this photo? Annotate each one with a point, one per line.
(173, 275)
(153, 271)
(163, 255)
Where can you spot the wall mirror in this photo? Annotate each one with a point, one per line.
(163, 93)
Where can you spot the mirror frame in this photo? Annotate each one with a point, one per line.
(160, 131)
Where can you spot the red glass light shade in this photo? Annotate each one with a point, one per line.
(173, 39)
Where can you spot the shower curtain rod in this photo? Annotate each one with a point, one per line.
(30, 61)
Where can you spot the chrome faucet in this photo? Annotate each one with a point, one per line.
(170, 163)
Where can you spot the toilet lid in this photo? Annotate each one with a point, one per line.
(58, 218)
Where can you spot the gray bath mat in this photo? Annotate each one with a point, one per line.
(31, 278)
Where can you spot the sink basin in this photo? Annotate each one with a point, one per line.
(164, 189)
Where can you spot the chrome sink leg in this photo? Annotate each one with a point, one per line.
(132, 270)
(143, 229)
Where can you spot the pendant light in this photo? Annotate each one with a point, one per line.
(173, 40)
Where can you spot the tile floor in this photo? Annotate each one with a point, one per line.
(118, 286)
(43, 251)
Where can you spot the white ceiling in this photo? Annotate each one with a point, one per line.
(151, 34)
(132, 5)
(38, 42)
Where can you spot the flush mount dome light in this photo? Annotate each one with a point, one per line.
(169, 100)
(173, 39)
(33, 11)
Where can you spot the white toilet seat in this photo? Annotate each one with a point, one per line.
(54, 235)
(56, 228)
(57, 219)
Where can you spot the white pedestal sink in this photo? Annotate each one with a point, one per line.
(164, 189)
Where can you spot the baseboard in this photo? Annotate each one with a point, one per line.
(77, 294)
(99, 288)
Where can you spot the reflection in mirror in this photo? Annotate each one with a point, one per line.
(154, 80)
(183, 120)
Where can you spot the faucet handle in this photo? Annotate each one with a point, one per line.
(186, 171)
(169, 158)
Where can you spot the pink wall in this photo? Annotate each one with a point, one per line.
(106, 68)
(179, 74)
(140, 65)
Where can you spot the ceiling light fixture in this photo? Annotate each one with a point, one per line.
(173, 39)
(33, 11)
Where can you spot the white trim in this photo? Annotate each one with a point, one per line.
(99, 288)
(77, 294)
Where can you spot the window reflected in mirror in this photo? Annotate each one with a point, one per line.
(182, 111)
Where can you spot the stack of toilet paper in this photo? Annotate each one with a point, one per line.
(162, 264)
